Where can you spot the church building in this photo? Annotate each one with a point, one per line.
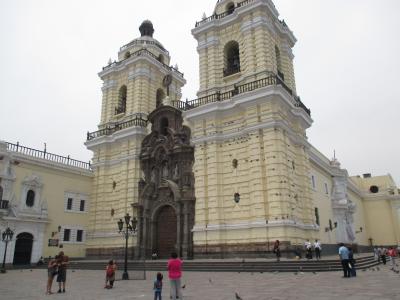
(226, 174)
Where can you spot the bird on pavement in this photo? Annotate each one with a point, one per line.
(183, 286)
(209, 280)
(377, 268)
(237, 296)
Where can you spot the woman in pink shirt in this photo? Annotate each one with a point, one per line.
(175, 274)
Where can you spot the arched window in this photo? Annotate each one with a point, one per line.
(164, 126)
(159, 97)
(230, 7)
(232, 58)
(121, 108)
(279, 63)
(30, 198)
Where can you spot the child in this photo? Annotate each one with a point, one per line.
(110, 274)
(158, 286)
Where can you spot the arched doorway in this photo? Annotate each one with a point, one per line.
(23, 249)
(166, 231)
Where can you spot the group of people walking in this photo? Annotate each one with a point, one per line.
(380, 254)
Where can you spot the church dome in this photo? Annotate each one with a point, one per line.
(146, 28)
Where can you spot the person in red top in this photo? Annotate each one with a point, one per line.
(392, 253)
(174, 275)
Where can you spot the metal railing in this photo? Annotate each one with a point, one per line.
(240, 89)
(143, 52)
(138, 121)
(222, 15)
(65, 160)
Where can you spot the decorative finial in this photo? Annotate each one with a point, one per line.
(204, 16)
(109, 61)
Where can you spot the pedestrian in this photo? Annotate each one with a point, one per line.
(307, 246)
(51, 273)
(317, 249)
(175, 274)
(344, 259)
(158, 286)
(110, 274)
(392, 253)
(383, 255)
(62, 263)
(352, 263)
(277, 250)
(376, 253)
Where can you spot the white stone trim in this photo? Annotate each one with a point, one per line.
(208, 42)
(76, 202)
(255, 224)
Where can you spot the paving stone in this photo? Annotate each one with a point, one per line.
(87, 285)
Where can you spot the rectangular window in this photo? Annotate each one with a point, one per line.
(67, 234)
(313, 181)
(316, 215)
(326, 188)
(82, 205)
(79, 235)
(69, 204)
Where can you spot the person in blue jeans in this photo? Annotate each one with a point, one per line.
(158, 286)
(344, 259)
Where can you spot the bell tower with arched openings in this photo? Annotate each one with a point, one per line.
(133, 86)
(249, 131)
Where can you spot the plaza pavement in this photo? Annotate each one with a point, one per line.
(87, 285)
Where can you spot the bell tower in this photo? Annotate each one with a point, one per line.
(249, 131)
(133, 86)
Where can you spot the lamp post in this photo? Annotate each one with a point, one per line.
(6, 236)
(130, 228)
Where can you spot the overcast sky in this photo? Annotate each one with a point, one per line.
(346, 66)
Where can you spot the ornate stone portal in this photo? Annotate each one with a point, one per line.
(166, 194)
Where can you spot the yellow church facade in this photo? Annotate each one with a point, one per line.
(255, 176)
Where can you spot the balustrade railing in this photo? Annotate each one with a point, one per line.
(143, 52)
(65, 160)
(143, 42)
(138, 121)
(222, 15)
(240, 89)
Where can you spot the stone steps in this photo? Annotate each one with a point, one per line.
(233, 266)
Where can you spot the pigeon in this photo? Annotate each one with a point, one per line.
(377, 268)
(209, 280)
(237, 296)
(276, 272)
(363, 270)
(295, 273)
(315, 273)
(183, 286)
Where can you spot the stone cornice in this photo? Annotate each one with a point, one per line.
(255, 224)
(51, 165)
(130, 132)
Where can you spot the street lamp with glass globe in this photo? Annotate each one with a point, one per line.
(130, 229)
(6, 237)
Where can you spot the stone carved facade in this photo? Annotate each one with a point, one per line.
(166, 160)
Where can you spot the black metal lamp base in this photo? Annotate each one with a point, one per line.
(125, 276)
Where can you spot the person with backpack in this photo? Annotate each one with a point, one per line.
(158, 286)
(110, 274)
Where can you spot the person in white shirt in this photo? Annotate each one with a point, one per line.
(317, 249)
(307, 245)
